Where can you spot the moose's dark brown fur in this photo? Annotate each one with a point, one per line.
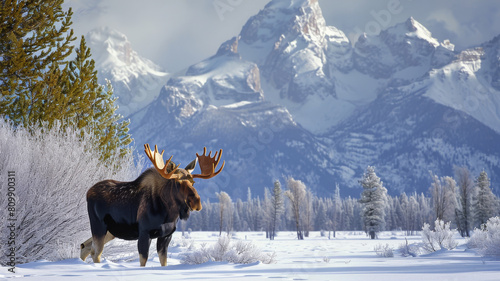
(143, 209)
(146, 208)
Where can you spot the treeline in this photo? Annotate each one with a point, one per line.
(464, 202)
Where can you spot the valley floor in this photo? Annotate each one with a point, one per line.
(350, 256)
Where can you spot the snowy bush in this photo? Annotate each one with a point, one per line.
(198, 256)
(53, 169)
(384, 250)
(225, 250)
(440, 237)
(184, 241)
(407, 250)
(487, 239)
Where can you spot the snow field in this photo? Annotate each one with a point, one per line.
(350, 256)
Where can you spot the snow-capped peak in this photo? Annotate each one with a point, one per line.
(280, 22)
(413, 29)
(113, 53)
(404, 51)
(137, 80)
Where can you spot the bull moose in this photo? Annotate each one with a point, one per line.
(147, 207)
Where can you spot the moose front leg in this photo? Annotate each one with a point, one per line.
(167, 229)
(162, 248)
(143, 247)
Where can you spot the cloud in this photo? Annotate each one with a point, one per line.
(447, 18)
(176, 34)
(173, 34)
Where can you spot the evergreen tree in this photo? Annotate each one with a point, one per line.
(35, 41)
(249, 212)
(374, 199)
(348, 214)
(336, 216)
(39, 85)
(277, 207)
(485, 201)
(266, 214)
(414, 215)
(89, 105)
(319, 214)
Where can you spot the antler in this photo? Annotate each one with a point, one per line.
(208, 164)
(160, 165)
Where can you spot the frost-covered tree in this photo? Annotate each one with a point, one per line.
(415, 214)
(485, 202)
(251, 212)
(348, 217)
(374, 200)
(321, 221)
(296, 193)
(443, 197)
(308, 213)
(405, 212)
(225, 213)
(336, 215)
(464, 198)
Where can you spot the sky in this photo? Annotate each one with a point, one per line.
(178, 33)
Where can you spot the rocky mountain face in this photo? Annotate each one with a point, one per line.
(291, 96)
(136, 80)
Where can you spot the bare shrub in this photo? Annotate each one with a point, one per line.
(487, 239)
(407, 250)
(224, 249)
(53, 170)
(439, 238)
(383, 250)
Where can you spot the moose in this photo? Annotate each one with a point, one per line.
(147, 207)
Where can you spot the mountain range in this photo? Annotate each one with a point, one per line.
(292, 96)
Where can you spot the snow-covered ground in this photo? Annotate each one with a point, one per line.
(350, 256)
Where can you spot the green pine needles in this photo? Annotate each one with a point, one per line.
(41, 86)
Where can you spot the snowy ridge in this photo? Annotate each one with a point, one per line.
(136, 80)
(291, 44)
(405, 51)
(464, 85)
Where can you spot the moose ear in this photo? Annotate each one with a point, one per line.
(171, 166)
(190, 167)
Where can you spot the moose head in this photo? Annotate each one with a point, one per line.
(184, 177)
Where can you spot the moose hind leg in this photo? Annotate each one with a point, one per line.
(97, 248)
(85, 249)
